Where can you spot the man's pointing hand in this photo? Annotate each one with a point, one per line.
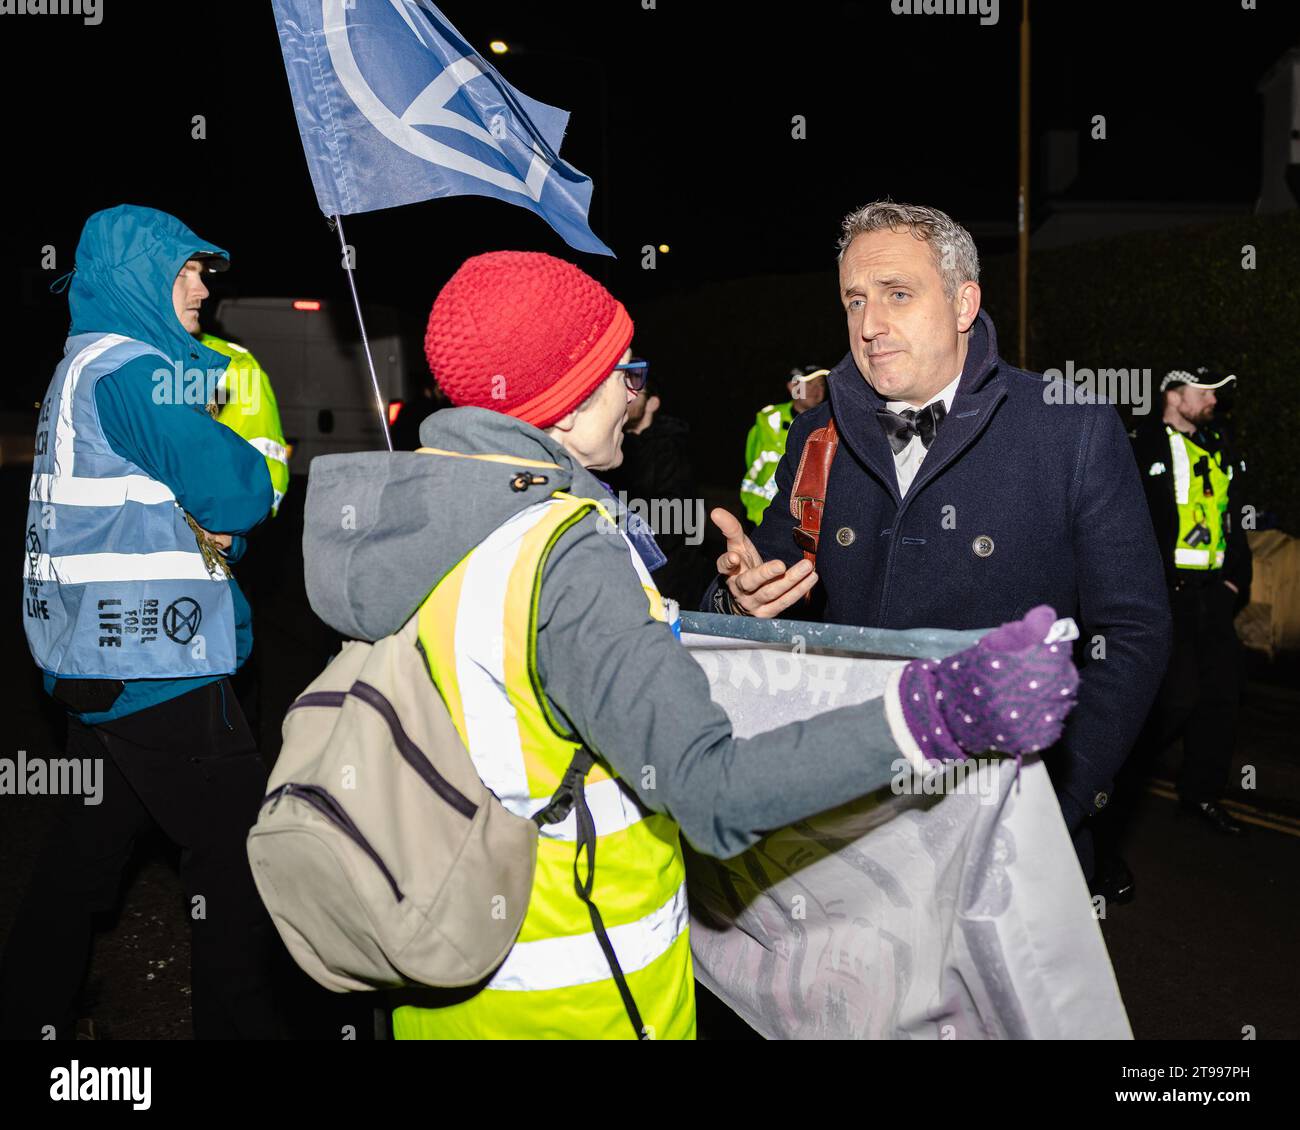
(762, 588)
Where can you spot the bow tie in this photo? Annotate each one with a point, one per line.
(900, 427)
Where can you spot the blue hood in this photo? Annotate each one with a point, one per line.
(127, 262)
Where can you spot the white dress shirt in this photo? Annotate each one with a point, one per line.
(908, 461)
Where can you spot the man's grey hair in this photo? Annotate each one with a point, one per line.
(950, 243)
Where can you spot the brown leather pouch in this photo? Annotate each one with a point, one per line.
(808, 497)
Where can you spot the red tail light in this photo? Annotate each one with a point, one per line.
(306, 304)
(394, 407)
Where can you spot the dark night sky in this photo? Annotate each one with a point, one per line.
(698, 146)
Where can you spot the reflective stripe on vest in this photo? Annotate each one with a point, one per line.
(1202, 517)
(765, 490)
(555, 963)
(758, 487)
(1197, 558)
(99, 492)
(479, 634)
(1182, 466)
(89, 568)
(274, 451)
(114, 582)
(248, 408)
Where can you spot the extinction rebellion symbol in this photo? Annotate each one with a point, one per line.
(33, 561)
(181, 619)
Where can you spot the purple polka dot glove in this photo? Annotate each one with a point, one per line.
(1010, 692)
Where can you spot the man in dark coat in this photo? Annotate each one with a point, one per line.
(964, 492)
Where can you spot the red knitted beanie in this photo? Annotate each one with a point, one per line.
(524, 333)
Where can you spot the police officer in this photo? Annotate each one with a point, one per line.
(245, 403)
(766, 441)
(1194, 487)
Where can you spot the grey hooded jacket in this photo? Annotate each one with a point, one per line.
(383, 529)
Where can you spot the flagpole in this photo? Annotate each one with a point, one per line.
(361, 324)
(1022, 235)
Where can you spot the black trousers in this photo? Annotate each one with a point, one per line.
(191, 767)
(1198, 699)
(1201, 693)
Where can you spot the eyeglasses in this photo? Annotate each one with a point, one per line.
(635, 374)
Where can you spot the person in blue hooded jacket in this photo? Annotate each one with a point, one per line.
(139, 500)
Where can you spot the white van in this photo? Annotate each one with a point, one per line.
(311, 350)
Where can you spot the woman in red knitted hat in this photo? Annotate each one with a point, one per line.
(546, 637)
(534, 337)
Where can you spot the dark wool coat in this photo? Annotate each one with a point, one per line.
(1052, 486)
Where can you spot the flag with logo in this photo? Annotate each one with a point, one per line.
(394, 106)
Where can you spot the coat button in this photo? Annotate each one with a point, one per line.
(982, 546)
(845, 535)
(1100, 801)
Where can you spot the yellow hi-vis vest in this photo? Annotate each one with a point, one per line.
(1202, 500)
(248, 408)
(764, 447)
(478, 629)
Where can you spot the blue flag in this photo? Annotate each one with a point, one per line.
(394, 106)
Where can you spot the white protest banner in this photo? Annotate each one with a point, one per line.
(919, 914)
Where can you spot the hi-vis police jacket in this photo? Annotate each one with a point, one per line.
(247, 406)
(115, 586)
(764, 447)
(1159, 466)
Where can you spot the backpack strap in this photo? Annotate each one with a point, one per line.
(571, 796)
(808, 496)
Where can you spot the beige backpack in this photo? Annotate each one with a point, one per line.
(381, 856)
